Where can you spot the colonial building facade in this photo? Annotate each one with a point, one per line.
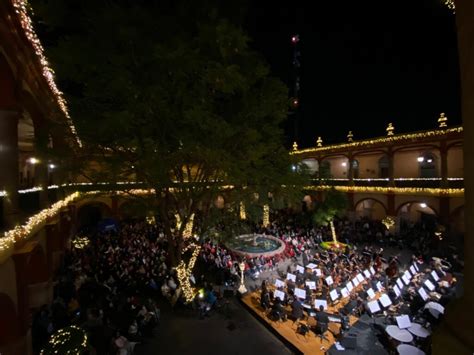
(407, 176)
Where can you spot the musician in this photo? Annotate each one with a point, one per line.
(296, 310)
(322, 316)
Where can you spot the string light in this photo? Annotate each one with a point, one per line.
(451, 5)
(266, 215)
(243, 213)
(80, 242)
(374, 141)
(3, 193)
(397, 190)
(188, 230)
(442, 120)
(388, 222)
(184, 272)
(33, 189)
(295, 146)
(69, 340)
(21, 8)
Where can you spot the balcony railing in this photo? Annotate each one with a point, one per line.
(399, 182)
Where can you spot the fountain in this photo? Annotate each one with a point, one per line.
(252, 245)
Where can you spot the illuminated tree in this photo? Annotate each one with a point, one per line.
(172, 96)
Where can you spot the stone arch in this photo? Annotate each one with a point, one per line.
(371, 208)
(9, 323)
(415, 212)
(90, 213)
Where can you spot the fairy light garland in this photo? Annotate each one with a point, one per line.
(80, 242)
(243, 213)
(388, 222)
(69, 340)
(184, 272)
(450, 5)
(266, 216)
(388, 139)
(397, 190)
(21, 8)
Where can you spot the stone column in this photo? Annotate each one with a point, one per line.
(350, 172)
(391, 173)
(443, 151)
(41, 169)
(454, 336)
(9, 166)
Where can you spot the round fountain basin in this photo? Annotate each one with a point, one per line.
(253, 245)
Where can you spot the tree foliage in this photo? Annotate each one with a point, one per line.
(170, 94)
(334, 204)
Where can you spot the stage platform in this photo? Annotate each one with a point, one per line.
(287, 330)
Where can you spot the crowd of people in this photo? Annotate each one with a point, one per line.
(110, 286)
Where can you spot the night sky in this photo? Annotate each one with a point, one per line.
(364, 64)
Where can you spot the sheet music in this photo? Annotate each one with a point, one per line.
(355, 281)
(291, 277)
(403, 321)
(300, 293)
(279, 294)
(400, 283)
(311, 285)
(334, 319)
(422, 293)
(311, 266)
(371, 293)
(413, 270)
(430, 285)
(367, 273)
(397, 290)
(279, 283)
(329, 280)
(416, 267)
(379, 286)
(407, 274)
(435, 275)
(349, 286)
(300, 269)
(405, 280)
(333, 294)
(374, 306)
(372, 270)
(344, 292)
(318, 303)
(385, 300)
(435, 306)
(339, 347)
(318, 272)
(360, 278)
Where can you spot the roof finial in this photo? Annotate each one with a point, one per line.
(319, 142)
(390, 129)
(442, 120)
(350, 136)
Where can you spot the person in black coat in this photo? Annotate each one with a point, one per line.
(296, 310)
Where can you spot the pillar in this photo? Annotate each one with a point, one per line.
(391, 204)
(454, 336)
(443, 151)
(444, 209)
(41, 169)
(9, 169)
(391, 172)
(350, 172)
